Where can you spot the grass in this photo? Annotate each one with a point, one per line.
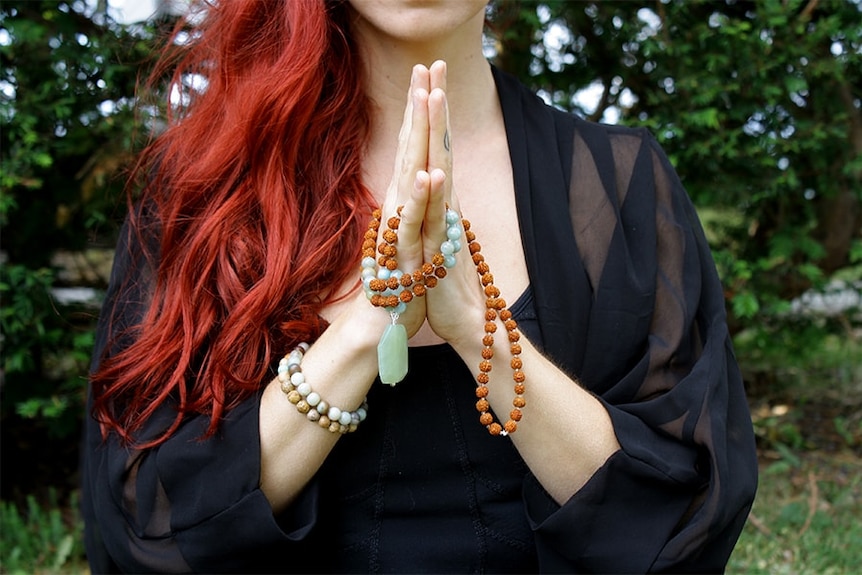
(805, 518)
(42, 538)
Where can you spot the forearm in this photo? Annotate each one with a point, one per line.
(340, 366)
(565, 435)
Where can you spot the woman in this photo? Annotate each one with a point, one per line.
(627, 446)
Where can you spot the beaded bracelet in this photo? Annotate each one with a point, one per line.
(309, 402)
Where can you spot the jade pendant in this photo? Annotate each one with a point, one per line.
(392, 354)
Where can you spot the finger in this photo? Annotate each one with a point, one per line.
(411, 225)
(438, 72)
(412, 153)
(439, 140)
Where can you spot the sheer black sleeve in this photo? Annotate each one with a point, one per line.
(629, 303)
(189, 504)
(653, 345)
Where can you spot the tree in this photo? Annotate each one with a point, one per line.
(757, 104)
(67, 88)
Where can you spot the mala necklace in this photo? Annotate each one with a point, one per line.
(388, 287)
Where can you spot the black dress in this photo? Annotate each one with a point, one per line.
(624, 295)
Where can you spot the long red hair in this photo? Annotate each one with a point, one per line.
(256, 192)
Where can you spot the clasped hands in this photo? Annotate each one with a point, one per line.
(422, 184)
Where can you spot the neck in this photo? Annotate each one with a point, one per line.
(388, 63)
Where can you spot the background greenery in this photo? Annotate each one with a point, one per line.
(757, 104)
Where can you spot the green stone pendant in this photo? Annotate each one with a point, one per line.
(392, 354)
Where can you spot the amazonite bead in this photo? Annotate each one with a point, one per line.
(392, 354)
(452, 217)
(453, 233)
(449, 261)
(447, 248)
(313, 399)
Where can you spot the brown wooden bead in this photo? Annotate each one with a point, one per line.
(483, 378)
(488, 341)
(478, 258)
(440, 272)
(376, 213)
(490, 315)
(519, 377)
(516, 363)
(487, 278)
(483, 405)
(391, 265)
(370, 235)
(514, 336)
(419, 290)
(381, 248)
(437, 259)
(430, 281)
(406, 280)
(486, 419)
(492, 291)
(510, 324)
(392, 283)
(392, 301)
(482, 267)
(520, 388)
(377, 284)
(519, 402)
(393, 222)
(417, 276)
(381, 261)
(475, 247)
(495, 429)
(368, 244)
(490, 327)
(481, 391)
(470, 236)
(487, 352)
(515, 349)
(377, 300)
(465, 223)
(427, 269)
(506, 315)
(485, 366)
(516, 414)
(510, 426)
(390, 251)
(406, 296)
(390, 236)
(368, 253)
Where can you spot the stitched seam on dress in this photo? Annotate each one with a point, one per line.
(466, 467)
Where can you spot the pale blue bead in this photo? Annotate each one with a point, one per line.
(369, 294)
(449, 261)
(345, 418)
(453, 233)
(368, 273)
(334, 413)
(447, 248)
(396, 273)
(282, 367)
(294, 358)
(457, 244)
(383, 274)
(401, 307)
(304, 389)
(452, 217)
(313, 399)
(297, 378)
(369, 262)
(362, 413)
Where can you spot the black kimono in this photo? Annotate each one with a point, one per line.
(623, 295)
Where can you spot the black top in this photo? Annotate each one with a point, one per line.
(625, 297)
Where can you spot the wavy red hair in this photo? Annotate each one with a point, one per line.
(257, 197)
